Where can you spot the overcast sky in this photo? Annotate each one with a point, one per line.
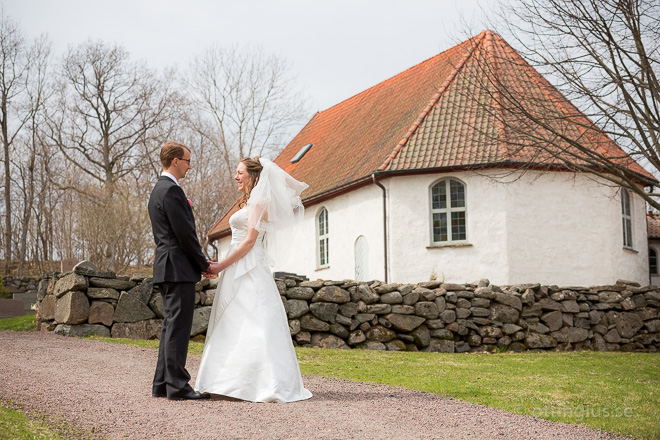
(337, 48)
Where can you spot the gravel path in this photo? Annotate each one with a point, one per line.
(107, 387)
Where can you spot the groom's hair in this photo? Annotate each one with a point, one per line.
(170, 151)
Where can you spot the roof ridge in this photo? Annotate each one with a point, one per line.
(434, 100)
(490, 48)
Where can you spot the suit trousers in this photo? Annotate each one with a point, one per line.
(179, 303)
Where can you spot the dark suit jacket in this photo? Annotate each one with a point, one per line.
(179, 257)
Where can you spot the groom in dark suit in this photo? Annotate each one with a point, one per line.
(178, 265)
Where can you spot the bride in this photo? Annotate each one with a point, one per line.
(248, 352)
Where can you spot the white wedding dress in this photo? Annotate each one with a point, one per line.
(248, 352)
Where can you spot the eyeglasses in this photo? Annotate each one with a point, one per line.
(187, 160)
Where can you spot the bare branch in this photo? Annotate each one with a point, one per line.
(246, 99)
(603, 113)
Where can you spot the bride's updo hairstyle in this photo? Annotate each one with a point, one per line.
(254, 168)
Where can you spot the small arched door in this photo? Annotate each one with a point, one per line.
(361, 259)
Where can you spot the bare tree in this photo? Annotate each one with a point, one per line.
(79, 164)
(45, 209)
(247, 102)
(16, 60)
(602, 55)
(109, 107)
(110, 118)
(32, 142)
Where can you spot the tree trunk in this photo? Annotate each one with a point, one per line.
(27, 211)
(5, 145)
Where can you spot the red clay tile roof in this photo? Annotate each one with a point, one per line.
(427, 118)
(653, 225)
(454, 130)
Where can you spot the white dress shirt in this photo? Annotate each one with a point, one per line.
(165, 173)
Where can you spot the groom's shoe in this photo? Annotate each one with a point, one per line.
(154, 394)
(188, 395)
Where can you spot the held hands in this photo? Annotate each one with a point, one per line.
(214, 268)
(237, 254)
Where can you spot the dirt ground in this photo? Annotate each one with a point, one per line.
(106, 389)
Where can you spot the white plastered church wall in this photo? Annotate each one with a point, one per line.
(552, 228)
(414, 258)
(566, 229)
(350, 215)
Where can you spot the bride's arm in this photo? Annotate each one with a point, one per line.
(241, 250)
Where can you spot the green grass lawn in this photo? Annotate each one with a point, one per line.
(19, 323)
(14, 425)
(615, 392)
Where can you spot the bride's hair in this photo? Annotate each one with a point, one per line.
(254, 168)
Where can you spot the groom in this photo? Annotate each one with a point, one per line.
(178, 266)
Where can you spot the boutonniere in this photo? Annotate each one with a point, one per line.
(191, 204)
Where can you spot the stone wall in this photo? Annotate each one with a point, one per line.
(88, 302)
(16, 284)
(428, 316)
(432, 316)
(23, 290)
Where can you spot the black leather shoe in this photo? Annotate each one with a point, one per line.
(188, 395)
(158, 394)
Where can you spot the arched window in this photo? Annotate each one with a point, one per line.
(653, 261)
(448, 213)
(322, 241)
(627, 219)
